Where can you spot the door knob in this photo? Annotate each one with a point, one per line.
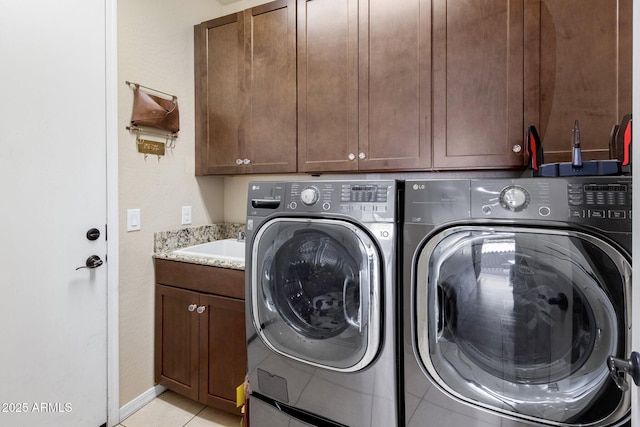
(619, 367)
(93, 261)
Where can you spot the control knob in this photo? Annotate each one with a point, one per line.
(514, 198)
(309, 196)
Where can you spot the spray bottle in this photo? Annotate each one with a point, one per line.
(576, 159)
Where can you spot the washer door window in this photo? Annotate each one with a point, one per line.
(522, 321)
(315, 292)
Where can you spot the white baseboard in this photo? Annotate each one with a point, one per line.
(129, 408)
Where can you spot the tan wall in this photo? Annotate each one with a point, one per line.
(238, 5)
(155, 49)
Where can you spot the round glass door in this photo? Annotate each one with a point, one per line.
(522, 321)
(315, 292)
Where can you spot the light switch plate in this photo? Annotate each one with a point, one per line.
(186, 215)
(133, 219)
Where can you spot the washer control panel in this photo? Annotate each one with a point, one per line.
(361, 199)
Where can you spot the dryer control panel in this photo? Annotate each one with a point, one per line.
(601, 202)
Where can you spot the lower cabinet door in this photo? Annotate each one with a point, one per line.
(177, 340)
(200, 347)
(223, 356)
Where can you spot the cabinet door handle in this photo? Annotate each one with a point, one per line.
(238, 161)
(362, 156)
(201, 309)
(192, 307)
(246, 161)
(516, 148)
(352, 156)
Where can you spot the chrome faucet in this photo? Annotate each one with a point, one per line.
(241, 236)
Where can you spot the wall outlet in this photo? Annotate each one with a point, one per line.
(186, 215)
(133, 219)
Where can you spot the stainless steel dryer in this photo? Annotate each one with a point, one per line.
(321, 301)
(515, 293)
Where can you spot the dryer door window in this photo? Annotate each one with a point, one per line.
(315, 292)
(523, 321)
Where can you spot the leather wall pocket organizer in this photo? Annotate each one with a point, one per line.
(154, 111)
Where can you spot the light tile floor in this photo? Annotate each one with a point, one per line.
(173, 410)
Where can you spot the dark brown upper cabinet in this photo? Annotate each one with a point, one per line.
(578, 67)
(245, 91)
(363, 85)
(478, 79)
(409, 85)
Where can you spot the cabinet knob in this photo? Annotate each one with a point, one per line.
(238, 161)
(246, 161)
(362, 156)
(516, 148)
(201, 309)
(352, 156)
(192, 307)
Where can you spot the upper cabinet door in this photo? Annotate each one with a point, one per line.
(219, 71)
(268, 125)
(327, 85)
(364, 85)
(245, 84)
(578, 55)
(395, 85)
(478, 83)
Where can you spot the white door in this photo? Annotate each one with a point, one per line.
(53, 318)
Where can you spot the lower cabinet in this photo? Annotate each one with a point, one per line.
(200, 348)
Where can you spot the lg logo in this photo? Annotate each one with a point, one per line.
(419, 186)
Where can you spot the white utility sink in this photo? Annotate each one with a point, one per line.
(227, 249)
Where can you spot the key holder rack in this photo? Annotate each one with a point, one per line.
(154, 113)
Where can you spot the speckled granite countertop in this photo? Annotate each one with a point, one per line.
(166, 242)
